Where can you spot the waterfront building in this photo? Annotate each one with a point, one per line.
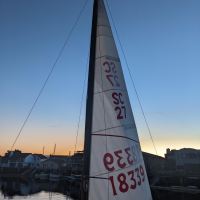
(17, 159)
(186, 159)
(77, 162)
(154, 164)
(52, 164)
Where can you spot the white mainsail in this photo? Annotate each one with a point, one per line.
(117, 168)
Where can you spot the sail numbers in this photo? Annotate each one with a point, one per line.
(111, 73)
(124, 158)
(128, 181)
(120, 107)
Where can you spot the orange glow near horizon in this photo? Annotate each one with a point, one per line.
(47, 151)
(34, 139)
(66, 147)
(31, 142)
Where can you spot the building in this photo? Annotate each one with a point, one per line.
(53, 164)
(17, 159)
(76, 162)
(186, 159)
(13, 159)
(153, 163)
(62, 157)
(33, 160)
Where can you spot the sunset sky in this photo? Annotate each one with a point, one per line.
(161, 40)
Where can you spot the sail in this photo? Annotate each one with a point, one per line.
(116, 168)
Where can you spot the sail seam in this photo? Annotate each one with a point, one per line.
(108, 57)
(104, 25)
(112, 128)
(98, 177)
(104, 35)
(104, 91)
(118, 136)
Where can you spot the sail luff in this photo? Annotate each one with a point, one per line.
(89, 105)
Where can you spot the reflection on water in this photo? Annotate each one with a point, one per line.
(31, 189)
(39, 196)
(18, 189)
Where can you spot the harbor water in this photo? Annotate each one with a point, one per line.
(37, 190)
(18, 189)
(38, 196)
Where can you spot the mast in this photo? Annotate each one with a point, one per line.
(43, 150)
(54, 149)
(89, 105)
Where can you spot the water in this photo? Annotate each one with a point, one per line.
(37, 190)
(42, 190)
(38, 196)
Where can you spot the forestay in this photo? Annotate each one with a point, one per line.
(117, 168)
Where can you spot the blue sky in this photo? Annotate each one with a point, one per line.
(161, 40)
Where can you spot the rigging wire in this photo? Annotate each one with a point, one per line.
(79, 120)
(81, 107)
(51, 71)
(132, 80)
(82, 96)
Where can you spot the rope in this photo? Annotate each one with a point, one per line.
(132, 80)
(81, 107)
(50, 73)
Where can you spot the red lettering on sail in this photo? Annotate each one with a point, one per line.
(124, 182)
(120, 163)
(123, 185)
(111, 73)
(142, 173)
(120, 109)
(129, 159)
(121, 159)
(138, 176)
(133, 181)
(111, 178)
(108, 161)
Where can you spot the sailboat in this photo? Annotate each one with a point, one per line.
(113, 162)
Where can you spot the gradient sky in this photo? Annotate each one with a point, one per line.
(161, 40)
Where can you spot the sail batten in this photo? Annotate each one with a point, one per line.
(116, 166)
